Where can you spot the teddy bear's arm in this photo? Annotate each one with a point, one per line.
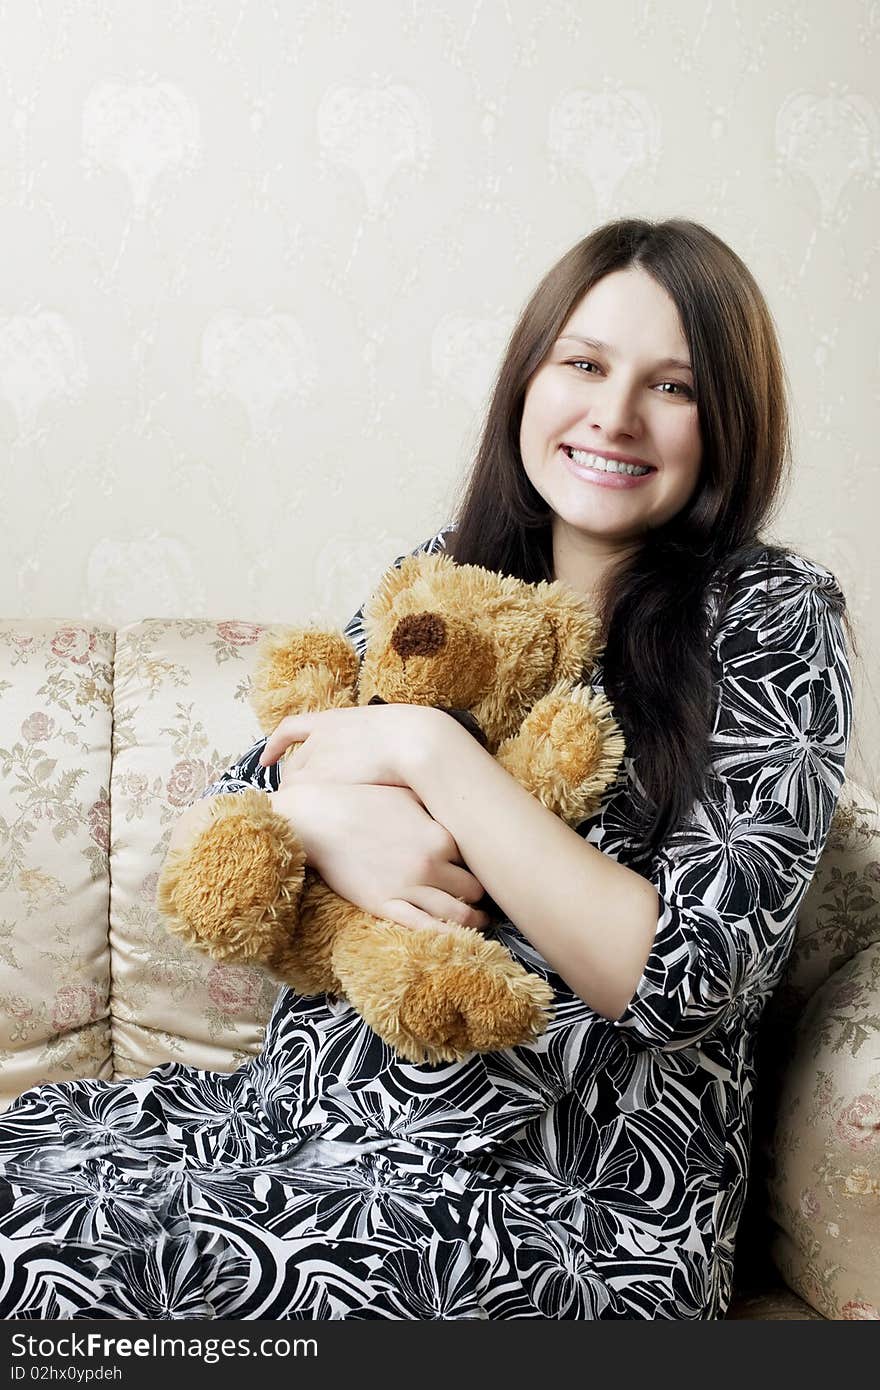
(567, 751)
(300, 670)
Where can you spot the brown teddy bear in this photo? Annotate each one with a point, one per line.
(503, 656)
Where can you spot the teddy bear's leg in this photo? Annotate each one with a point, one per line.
(305, 960)
(437, 994)
(567, 751)
(234, 890)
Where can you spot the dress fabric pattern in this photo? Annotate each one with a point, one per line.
(598, 1172)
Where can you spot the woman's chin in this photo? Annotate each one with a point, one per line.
(595, 522)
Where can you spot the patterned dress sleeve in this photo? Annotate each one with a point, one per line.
(246, 773)
(732, 878)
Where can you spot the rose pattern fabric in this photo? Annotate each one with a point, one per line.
(180, 711)
(75, 643)
(823, 1153)
(56, 684)
(816, 1163)
(157, 708)
(597, 1172)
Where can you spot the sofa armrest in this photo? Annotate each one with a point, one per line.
(824, 1153)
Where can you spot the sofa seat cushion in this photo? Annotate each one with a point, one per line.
(56, 682)
(180, 715)
(775, 1304)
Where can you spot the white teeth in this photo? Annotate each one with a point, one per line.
(606, 465)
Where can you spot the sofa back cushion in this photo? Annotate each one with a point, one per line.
(56, 683)
(181, 713)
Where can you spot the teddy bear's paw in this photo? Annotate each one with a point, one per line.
(464, 1008)
(234, 890)
(439, 993)
(567, 752)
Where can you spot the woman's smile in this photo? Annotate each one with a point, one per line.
(588, 467)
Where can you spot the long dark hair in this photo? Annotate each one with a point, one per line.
(657, 660)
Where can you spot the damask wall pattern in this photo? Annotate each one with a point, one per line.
(260, 262)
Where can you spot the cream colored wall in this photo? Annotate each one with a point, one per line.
(259, 262)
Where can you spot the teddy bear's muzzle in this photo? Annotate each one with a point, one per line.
(431, 658)
(419, 634)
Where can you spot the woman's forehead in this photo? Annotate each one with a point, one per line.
(629, 311)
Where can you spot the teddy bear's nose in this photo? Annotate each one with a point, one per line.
(419, 634)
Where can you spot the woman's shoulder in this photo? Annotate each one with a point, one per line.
(766, 566)
(774, 597)
(433, 544)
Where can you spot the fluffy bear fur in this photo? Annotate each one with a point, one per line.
(507, 658)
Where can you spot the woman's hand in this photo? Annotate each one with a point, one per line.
(368, 743)
(377, 847)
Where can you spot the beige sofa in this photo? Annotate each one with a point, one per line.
(106, 736)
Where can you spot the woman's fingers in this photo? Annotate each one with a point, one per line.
(408, 914)
(459, 883)
(290, 763)
(295, 728)
(442, 907)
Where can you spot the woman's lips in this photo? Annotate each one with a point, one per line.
(595, 475)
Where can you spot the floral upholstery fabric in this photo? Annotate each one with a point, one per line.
(180, 711)
(818, 1137)
(56, 686)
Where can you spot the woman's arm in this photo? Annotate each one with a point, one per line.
(667, 956)
(592, 919)
(663, 958)
(668, 959)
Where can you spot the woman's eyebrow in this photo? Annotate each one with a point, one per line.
(605, 347)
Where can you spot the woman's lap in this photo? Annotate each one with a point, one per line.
(136, 1199)
(116, 1200)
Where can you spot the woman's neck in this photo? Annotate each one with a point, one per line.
(584, 564)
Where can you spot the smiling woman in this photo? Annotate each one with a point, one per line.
(684, 375)
(611, 446)
(599, 1169)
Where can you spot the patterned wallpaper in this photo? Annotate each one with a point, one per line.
(260, 260)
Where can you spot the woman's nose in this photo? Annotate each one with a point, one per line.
(615, 410)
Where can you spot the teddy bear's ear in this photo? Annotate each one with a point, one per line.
(411, 571)
(576, 627)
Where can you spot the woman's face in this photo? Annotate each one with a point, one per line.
(627, 395)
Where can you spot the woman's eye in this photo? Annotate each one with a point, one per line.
(669, 387)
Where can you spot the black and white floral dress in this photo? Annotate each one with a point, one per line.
(598, 1172)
